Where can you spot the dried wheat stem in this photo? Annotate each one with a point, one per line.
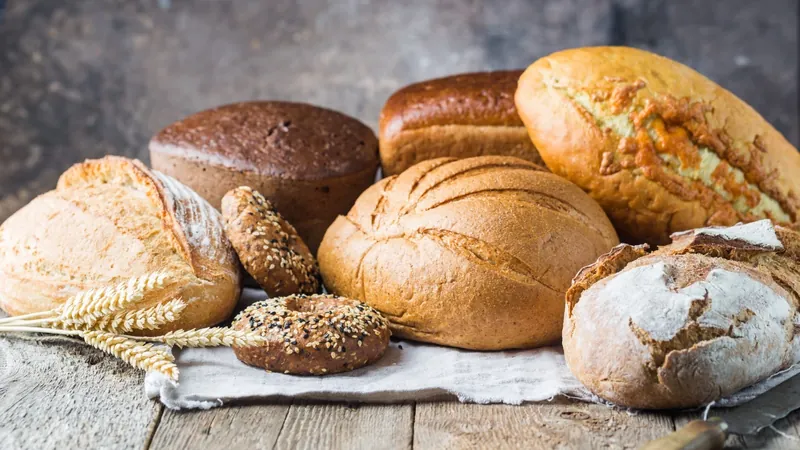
(90, 305)
(207, 337)
(15, 328)
(137, 354)
(26, 317)
(142, 319)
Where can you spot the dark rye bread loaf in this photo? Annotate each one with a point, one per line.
(464, 115)
(310, 162)
(474, 253)
(689, 323)
(661, 147)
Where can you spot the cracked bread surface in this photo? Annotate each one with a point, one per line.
(474, 253)
(689, 323)
(658, 145)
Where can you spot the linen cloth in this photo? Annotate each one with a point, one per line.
(409, 371)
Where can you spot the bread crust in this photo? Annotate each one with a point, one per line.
(460, 116)
(313, 335)
(310, 162)
(658, 145)
(473, 253)
(704, 317)
(268, 246)
(111, 219)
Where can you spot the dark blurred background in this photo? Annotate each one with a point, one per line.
(84, 78)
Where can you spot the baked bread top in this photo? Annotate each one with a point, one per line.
(481, 98)
(109, 220)
(658, 145)
(281, 139)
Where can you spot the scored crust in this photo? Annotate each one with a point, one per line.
(109, 220)
(686, 324)
(313, 335)
(658, 145)
(268, 246)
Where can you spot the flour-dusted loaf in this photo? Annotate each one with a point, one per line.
(694, 321)
(310, 162)
(109, 220)
(658, 145)
(463, 115)
(474, 253)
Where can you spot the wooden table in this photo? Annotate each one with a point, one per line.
(57, 393)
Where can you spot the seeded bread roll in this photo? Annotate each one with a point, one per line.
(109, 220)
(310, 162)
(474, 253)
(658, 145)
(268, 246)
(690, 323)
(465, 115)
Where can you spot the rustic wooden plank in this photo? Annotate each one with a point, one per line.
(244, 426)
(560, 424)
(60, 393)
(785, 434)
(340, 426)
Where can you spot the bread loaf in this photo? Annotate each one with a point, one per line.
(465, 115)
(109, 220)
(310, 162)
(474, 253)
(697, 320)
(659, 146)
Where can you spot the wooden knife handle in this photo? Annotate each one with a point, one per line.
(696, 435)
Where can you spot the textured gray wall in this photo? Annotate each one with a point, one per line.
(82, 79)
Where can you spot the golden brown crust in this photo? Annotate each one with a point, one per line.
(313, 335)
(268, 246)
(739, 297)
(658, 145)
(109, 220)
(474, 253)
(464, 115)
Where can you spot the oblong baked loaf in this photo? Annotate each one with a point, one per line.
(658, 145)
(310, 162)
(474, 253)
(109, 220)
(697, 320)
(470, 114)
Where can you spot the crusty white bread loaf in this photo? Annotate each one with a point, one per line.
(697, 320)
(474, 253)
(109, 220)
(661, 147)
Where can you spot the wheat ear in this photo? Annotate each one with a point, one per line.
(137, 354)
(208, 337)
(89, 306)
(150, 318)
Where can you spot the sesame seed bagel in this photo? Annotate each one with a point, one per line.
(268, 246)
(313, 335)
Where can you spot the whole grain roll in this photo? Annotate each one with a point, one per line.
(460, 116)
(310, 162)
(474, 253)
(661, 147)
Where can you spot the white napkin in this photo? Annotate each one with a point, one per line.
(408, 371)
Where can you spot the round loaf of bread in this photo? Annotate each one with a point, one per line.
(690, 323)
(310, 162)
(110, 220)
(474, 253)
(658, 145)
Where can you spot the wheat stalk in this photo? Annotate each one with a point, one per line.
(142, 319)
(208, 337)
(137, 354)
(91, 305)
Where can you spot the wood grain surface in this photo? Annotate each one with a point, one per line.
(84, 79)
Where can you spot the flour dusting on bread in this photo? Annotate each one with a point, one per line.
(760, 233)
